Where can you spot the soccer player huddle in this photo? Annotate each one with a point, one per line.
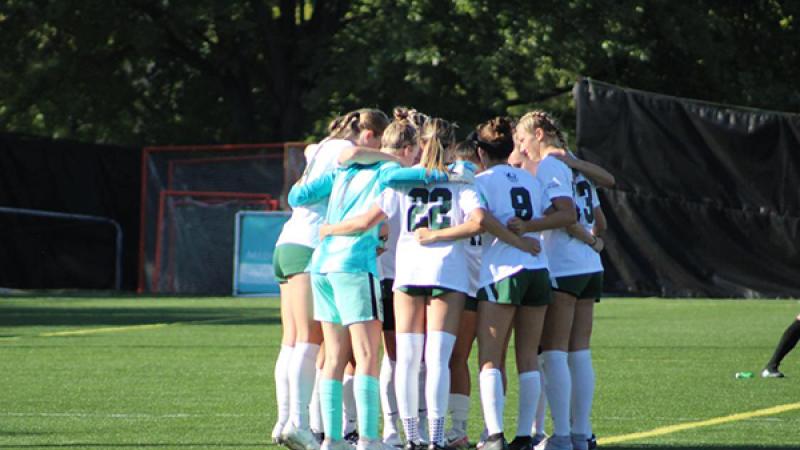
(404, 237)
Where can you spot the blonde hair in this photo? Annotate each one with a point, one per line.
(353, 123)
(540, 119)
(398, 134)
(437, 136)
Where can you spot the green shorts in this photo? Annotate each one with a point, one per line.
(525, 288)
(346, 298)
(290, 259)
(427, 291)
(587, 286)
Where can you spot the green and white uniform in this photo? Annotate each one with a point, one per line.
(300, 234)
(509, 275)
(441, 265)
(344, 268)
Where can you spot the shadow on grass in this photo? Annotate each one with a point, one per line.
(125, 316)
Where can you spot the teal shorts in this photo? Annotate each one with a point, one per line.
(346, 298)
(587, 286)
(524, 288)
(290, 259)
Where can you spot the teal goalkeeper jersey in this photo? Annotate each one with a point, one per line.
(351, 191)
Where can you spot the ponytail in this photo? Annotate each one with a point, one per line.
(437, 136)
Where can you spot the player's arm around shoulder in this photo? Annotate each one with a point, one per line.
(313, 191)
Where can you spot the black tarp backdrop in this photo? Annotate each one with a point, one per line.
(67, 177)
(707, 202)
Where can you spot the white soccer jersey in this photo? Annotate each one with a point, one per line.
(303, 226)
(508, 192)
(442, 205)
(386, 261)
(566, 255)
(474, 248)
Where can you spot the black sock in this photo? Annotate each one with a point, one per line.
(785, 345)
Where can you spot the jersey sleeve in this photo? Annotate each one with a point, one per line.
(468, 200)
(400, 176)
(312, 192)
(555, 178)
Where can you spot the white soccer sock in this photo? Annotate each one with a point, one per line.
(459, 411)
(282, 383)
(438, 349)
(493, 399)
(388, 396)
(580, 366)
(422, 412)
(406, 379)
(315, 409)
(529, 386)
(558, 386)
(349, 414)
(541, 408)
(302, 373)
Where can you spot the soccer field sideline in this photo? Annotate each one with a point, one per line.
(97, 323)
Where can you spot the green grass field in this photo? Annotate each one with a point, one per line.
(197, 373)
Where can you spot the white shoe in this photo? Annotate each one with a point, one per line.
(336, 445)
(482, 439)
(277, 431)
(393, 440)
(769, 373)
(456, 439)
(300, 439)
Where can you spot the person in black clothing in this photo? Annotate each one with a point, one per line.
(785, 345)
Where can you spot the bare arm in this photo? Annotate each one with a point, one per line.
(357, 224)
(597, 174)
(561, 215)
(364, 155)
(600, 223)
(467, 229)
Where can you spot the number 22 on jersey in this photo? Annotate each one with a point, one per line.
(429, 208)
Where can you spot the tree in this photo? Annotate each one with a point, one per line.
(160, 72)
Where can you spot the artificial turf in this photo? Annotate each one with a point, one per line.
(162, 373)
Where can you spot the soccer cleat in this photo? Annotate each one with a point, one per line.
(277, 430)
(771, 373)
(555, 443)
(495, 442)
(300, 439)
(482, 440)
(352, 437)
(456, 439)
(373, 445)
(393, 440)
(341, 444)
(538, 438)
(592, 442)
(521, 443)
(414, 446)
(319, 436)
(580, 441)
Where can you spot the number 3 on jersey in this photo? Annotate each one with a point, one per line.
(584, 190)
(435, 217)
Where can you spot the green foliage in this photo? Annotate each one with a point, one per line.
(160, 72)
